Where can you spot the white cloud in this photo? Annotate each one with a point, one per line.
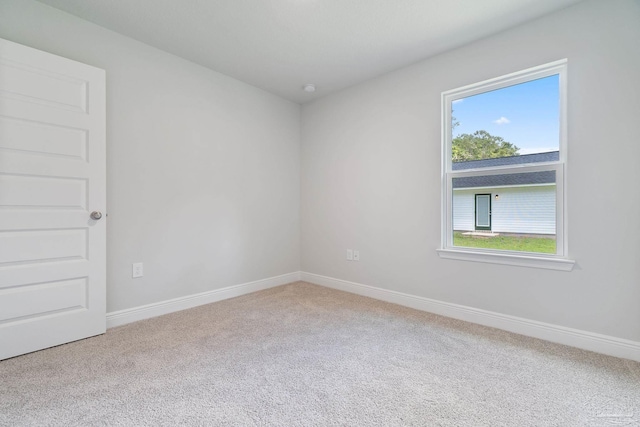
(502, 121)
(457, 101)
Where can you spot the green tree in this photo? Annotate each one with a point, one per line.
(481, 145)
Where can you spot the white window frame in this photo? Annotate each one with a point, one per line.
(557, 261)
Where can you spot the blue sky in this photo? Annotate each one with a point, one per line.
(526, 115)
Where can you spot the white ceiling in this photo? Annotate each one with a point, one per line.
(279, 45)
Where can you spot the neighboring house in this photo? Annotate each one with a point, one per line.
(515, 203)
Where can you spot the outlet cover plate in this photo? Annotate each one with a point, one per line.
(137, 270)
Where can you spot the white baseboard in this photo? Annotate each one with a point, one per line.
(121, 317)
(598, 343)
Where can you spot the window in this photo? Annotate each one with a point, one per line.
(504, 170)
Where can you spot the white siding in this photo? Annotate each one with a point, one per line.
(464, 210)
(530, 210)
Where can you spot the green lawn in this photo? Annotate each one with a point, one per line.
(544, 245)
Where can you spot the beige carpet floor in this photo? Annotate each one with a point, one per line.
(304, 355)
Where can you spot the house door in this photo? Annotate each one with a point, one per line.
(483, 211)
(52, 177)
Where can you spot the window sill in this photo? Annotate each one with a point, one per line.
(532, 261)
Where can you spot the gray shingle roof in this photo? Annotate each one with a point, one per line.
(551, 156)
(545, 177)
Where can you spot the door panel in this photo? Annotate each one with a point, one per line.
(33, 246)
(29, 81)
(52, 176)
(483, 211)
(42, 191)
(42, 298)
(42, 139)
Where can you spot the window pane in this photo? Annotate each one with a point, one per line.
(513, 212)
(518, 120)
(483, 211)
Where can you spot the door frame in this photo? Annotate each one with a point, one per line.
(475, 212)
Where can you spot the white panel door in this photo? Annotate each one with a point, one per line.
(52, 177)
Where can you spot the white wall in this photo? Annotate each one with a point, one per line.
(371, 176)
(202, 170)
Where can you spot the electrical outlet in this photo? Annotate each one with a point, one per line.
(137, 270)
(349, 255)
(356, 255)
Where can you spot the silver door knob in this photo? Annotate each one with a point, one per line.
(96, 215)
